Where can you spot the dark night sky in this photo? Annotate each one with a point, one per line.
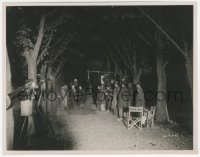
(93, 29)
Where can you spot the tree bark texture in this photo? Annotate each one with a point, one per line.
(31, 58)
(9, 113)
(161, 112)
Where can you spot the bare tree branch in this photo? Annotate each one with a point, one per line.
(59, 67)
(57, 23)
(125, 48)
(163, 31)
(39, 37)
(54, 59)
(165, 63)
(122, 57)
(140, 35)
(113, 59)
(138, 75)
(45, 49)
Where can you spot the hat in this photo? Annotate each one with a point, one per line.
(75, 80)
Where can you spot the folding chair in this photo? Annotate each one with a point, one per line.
(134, 117)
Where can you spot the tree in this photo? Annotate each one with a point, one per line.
(186, 49)
(9, 113)
(162, 111)
(134, 58)
(30, 44)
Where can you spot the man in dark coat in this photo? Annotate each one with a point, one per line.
(72, 96)
(140, 101)
(115, 98)
(124, 97)
(81, 96)
(109, 97)
(101, 97)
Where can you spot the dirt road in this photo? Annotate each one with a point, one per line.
(90, 129)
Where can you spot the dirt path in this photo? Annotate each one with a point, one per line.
(90, 129)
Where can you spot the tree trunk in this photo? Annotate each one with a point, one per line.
(189, 71)
(9, 113)
(54, 97)
(31, 59)
(43, 74)
(32, 74)
(50, 90)
(161, 112)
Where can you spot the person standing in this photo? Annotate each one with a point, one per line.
(140, 101)
(81, 97)
(98, 97)
(75, 83)
(109, 97)
(115, 98)
(124, 97)
(102, 97)
(72, 96)
(65, 96)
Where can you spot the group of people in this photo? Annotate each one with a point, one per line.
(116, 98)
(73, 94)
(112, 97)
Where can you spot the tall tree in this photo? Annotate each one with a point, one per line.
(9, 113)
(162, 111)
(30, 44)
(132, 57)
(185, 43)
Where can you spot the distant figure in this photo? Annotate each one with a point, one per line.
(109, 97)
(140, 101)
(75, 83)
(102, 98)
(124, 96)
(65, 96)
(98, 97)
(112, 84)
(115, 98)
(131, 90)
(81, 97)
(72, 97)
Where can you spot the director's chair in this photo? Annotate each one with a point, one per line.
(134, 117)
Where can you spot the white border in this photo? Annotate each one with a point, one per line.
(111, 2)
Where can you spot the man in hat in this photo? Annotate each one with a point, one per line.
(72, 96)
(98, 97)
(109, 97)
(75, 83)
(65, 96)
(122, 105)
(115, 97)
(101, 97)
(81, 96)
(140, 101)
